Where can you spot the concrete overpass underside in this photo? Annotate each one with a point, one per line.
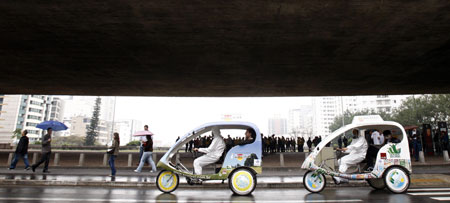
(224, 47)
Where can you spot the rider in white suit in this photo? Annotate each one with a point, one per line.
(212, 153)
(357, 153)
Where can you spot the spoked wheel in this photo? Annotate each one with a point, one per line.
(376, 183)
(314, 182)
(396, 180)
(242, 182)
(167, 181)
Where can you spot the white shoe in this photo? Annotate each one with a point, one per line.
(152, 171)
(136, 171)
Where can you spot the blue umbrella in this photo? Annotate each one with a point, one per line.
(55, 125)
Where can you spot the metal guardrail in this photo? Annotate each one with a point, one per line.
(83, 154)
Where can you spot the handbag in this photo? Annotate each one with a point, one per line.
(110, 151)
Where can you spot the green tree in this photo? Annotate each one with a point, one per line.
(92, 132)
(134, 143)
(17, 133)
(418, 110)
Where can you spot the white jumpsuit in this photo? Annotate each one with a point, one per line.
(213, 152)
(357, 153)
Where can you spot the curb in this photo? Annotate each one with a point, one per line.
(153, 186)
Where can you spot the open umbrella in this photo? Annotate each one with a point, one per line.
(55, 125)
(142, 133)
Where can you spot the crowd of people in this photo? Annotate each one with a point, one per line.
(273, 144)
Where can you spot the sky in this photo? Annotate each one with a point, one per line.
(170, 117)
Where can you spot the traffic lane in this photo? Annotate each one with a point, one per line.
(89, 194)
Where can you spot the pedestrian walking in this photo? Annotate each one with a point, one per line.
(143, 139)
(46, 152)
(21, 152)
(113, 151)
(147, 156)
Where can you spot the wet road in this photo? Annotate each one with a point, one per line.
(89, 194)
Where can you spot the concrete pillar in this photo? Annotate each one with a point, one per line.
(56, 160)
(130, 159)
(10, 157)
(35, 155)
(445, 152)
(421, 157)
(105, 159)
(81, 162)
(281, 159)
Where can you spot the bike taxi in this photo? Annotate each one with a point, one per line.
(391, 163)
(239, 164)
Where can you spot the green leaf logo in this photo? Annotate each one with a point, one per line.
(394, 152)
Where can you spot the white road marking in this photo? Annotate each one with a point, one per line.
(428, 189)
(429, 193)
(441, 198)
(155, 201)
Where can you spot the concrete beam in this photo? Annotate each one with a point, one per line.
(217, 48)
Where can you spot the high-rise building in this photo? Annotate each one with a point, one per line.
(327, 108)
(300, 121)
(25, 112)
(381, 103)
(126, 128)
(277, 125)
(76, 107)
(84, 106)
(79, 126)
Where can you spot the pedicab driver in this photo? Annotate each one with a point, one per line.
(212, 153)
(357, 152)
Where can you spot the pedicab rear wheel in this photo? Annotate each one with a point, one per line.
(242, 182)
(167, 181)
(376, 183)
(314, 182)
(396, 180)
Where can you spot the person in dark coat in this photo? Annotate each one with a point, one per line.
(345, 141)
(46, 151)
(21, 151)
(309, 143)
(113, 151)
(300, 143)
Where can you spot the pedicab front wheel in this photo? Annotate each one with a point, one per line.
(396, 180)
(242, 182)
(167, 181)
(376, 183)
(314, 182)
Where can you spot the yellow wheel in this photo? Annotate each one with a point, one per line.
(242, 182)
(167, 181)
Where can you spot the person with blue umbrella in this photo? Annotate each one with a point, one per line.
(46, 151)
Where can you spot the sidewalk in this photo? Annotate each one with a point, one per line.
(126, 177)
